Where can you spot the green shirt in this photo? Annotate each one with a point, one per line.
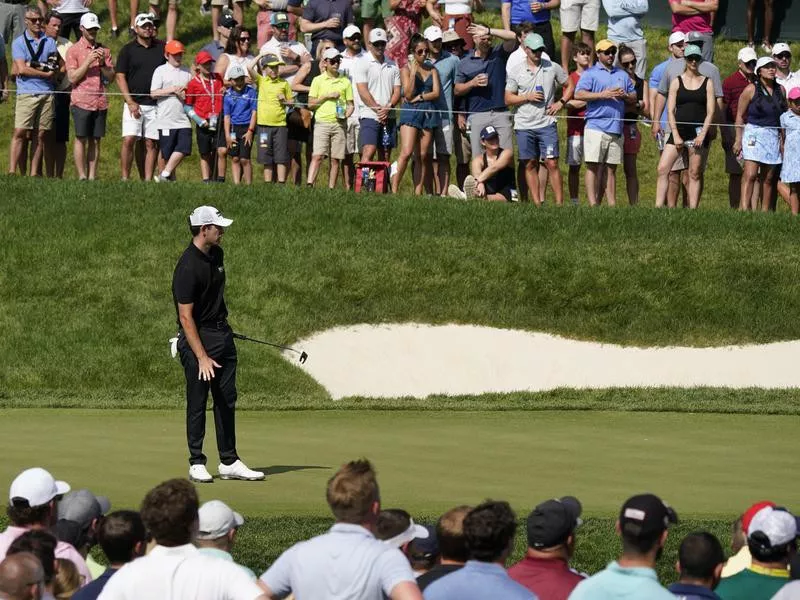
(325, 84)
(755, 583)
(271, 112)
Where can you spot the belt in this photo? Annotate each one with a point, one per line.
(213, 325)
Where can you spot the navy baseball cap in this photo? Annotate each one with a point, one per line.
(489, 132)
(645, 515)
(553, 521)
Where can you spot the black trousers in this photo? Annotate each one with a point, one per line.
(219, 346)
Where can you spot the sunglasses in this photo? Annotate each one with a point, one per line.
(783, 56)
(609, 52)
(421, 52)
(694, 58)
(334, 61)
(628, 64)
(36, 20)
(680, 44)
(355, 38)
(244, 39)
(379, 44)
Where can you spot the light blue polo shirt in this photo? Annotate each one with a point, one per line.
(605, 115)
(624, 583)
(19, 50)
(447, 67)
(478, 581)
(655, 79)
(347, 563)
(625, 19)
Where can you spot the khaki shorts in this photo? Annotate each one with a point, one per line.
(462, 146)
(580, 14)
(351, 135)
(601, 147)
(34, 111)
(330, 140)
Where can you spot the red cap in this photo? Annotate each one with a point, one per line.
(751, 512)
(174, 47)
(203, 58)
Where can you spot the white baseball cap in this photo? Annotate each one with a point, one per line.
(763, 62)
(208, 215)
(780, 48)
(143, 18)
(36, 487)
(216, 520)
(413, 532)
(747, 54)
(677, 37)
(378, 35)
(330, 53)
(90, 21)
(350, 31)
(432, 33)
(777, 524)
(235, 71)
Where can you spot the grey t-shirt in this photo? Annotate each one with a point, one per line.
(677, 66)
(522, 79)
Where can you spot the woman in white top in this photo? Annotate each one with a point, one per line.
(237, 52)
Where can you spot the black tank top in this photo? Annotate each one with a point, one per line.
(690, 108)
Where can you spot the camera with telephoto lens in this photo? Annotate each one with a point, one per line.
(48, 66)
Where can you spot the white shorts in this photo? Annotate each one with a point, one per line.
(600, 147)
(575, 150)
(143, 127)
(580, 14)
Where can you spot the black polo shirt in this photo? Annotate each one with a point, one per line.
(138, 63)
(199, 279)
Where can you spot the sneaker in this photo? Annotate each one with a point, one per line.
(239, 470)
(766, 47)
(115, 32)
(453, 191)
(470, 186)
(199, 474)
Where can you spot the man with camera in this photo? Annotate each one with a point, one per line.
(36, 63)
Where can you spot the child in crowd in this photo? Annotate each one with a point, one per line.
(576, 113)
(790, 171)
(331, 99)
(274, 94)
(241, 106)
(204, 96)
(168, 88)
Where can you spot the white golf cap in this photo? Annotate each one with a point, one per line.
(350, 31)
(677, 38)
(764, 61)
(216, 520)
(747, 54)
(330, 53)
(777, 524)
(413, 532)
(35, 487)
(90, 21)
(235, 71)
(780, 48)
(432, 33)
(208, 215)
(143, 18)
(378, 35)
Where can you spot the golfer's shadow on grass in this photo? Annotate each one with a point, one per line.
(278, 469)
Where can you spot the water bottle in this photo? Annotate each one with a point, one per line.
(364, 178)
(386, 139)
(539, 90)
(340, 108)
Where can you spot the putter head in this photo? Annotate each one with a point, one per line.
(303, 357)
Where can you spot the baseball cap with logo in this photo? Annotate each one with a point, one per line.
(330, 53)
(676, 38)
(350, 31)
(748, 515)
(378, 35)
(604, 45)
(270, 60)
(227, 21)
(144, 18)
(534, 41)
(203, 58)
(432, 33)
(746, 55)
(82, 507)
(780, 48)
(236, 71)
(35, 487)
(489, 132)
(90, 21)
(279, 18)
(692, 50)
(450, 36)
(552, 521)
(208, 215)
(777, 527)
(174, 47)
(216, 520)
(645, 515)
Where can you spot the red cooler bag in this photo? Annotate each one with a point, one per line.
(372, 177)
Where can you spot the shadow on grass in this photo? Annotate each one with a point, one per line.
(279, 469)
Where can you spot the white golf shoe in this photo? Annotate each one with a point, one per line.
(239, 470)
(199, 474)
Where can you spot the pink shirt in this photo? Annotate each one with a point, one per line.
(686, 23)
(89, 93)
(63, 550)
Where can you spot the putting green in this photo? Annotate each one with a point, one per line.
(704, 464)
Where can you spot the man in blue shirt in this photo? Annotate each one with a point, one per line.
(489, 532)
(36, 63)
(700, 562)
(605, 89)
(536, 12)
(326, 20)
(642, 525)
(481, 81)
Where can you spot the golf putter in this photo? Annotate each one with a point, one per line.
(303, 355)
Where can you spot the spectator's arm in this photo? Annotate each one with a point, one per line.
(21, 69)
(366, 96)
(709, 6)
(433, 11)
(297, 82)
(671, 101)
(644, 109)
(711, 111)
(122, 84)
(436, 90)
(505, 14)
(407, 590)
(395, 99)
(741, 110)
(288, 70)
(307, 26)
(4, 77)
(505, 159)
(569, 95)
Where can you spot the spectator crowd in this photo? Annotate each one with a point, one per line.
(174, 548)
(309, 85)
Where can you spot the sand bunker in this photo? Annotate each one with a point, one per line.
(413, 360)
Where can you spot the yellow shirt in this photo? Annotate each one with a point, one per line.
(325, 84)
(270, 111)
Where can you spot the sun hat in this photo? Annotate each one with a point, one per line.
(604, 45)
(236, 71)
(203, 58)
(746, 55)
(35, 487)
(90, 21)
(763, 62)
(645, 515)
(216, 520)
(676, 38)
(144, 18)
(780, 48)
(534, 41)
(748, 515)
(174, 47)
(350, 31)
(552, 521)
(208, 215)
(378, 35)
(432, 33)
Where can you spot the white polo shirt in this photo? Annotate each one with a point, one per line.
(180, 573)
(792, 81)
(347, 68)
(347, 563)
(169, 113)
(381, 79)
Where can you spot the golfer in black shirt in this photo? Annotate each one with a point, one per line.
(206, 347)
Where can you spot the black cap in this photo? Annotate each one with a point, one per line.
(227, 20)
(552, 522)
(645, 515)
(425, 547)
